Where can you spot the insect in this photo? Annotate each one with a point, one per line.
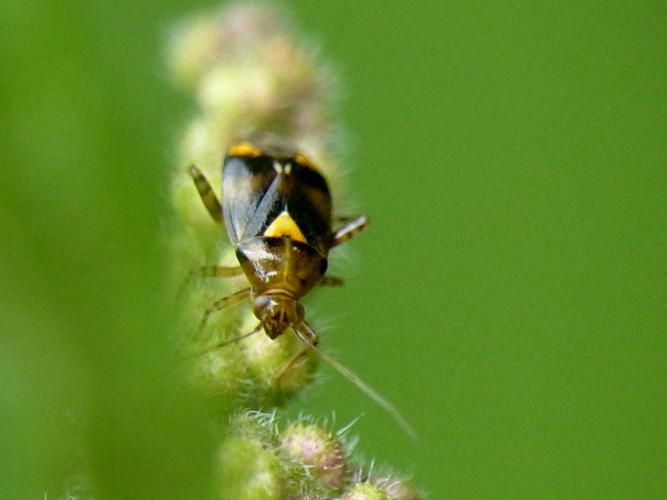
(276, 207)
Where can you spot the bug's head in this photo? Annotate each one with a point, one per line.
(277, 312)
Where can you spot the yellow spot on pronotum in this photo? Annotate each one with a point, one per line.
(244, 149)
(284, 225)
(303, 160)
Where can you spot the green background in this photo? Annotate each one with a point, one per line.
(509, 296)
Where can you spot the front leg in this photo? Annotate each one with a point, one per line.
(308, 337)
(223, 303)
(225, 343)
(350, 229)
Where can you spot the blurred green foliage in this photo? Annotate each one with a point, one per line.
(509, 296)
(85, 325)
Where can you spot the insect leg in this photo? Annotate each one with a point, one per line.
(209, 272)
(333, 281)
(223, 303)
(277, 378)
(344, 219)
(226, 342)
(349, 230)
(215, 272)
(206, 194)
(313, 340)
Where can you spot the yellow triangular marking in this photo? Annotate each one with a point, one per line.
(284, 225)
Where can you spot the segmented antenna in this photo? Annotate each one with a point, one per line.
(356, 380)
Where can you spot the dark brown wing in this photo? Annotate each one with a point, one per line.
(258, 189)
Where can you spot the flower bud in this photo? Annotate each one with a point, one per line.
(365, 491)
(321, 451)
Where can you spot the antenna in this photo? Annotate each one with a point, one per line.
(306, 333)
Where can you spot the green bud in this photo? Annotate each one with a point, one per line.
(254, 372)
(319, 450)
(398, 488)
(248, 470)
(365, 491)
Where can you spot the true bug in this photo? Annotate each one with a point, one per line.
(276, 207)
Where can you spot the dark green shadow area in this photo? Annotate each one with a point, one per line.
(87, 124)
